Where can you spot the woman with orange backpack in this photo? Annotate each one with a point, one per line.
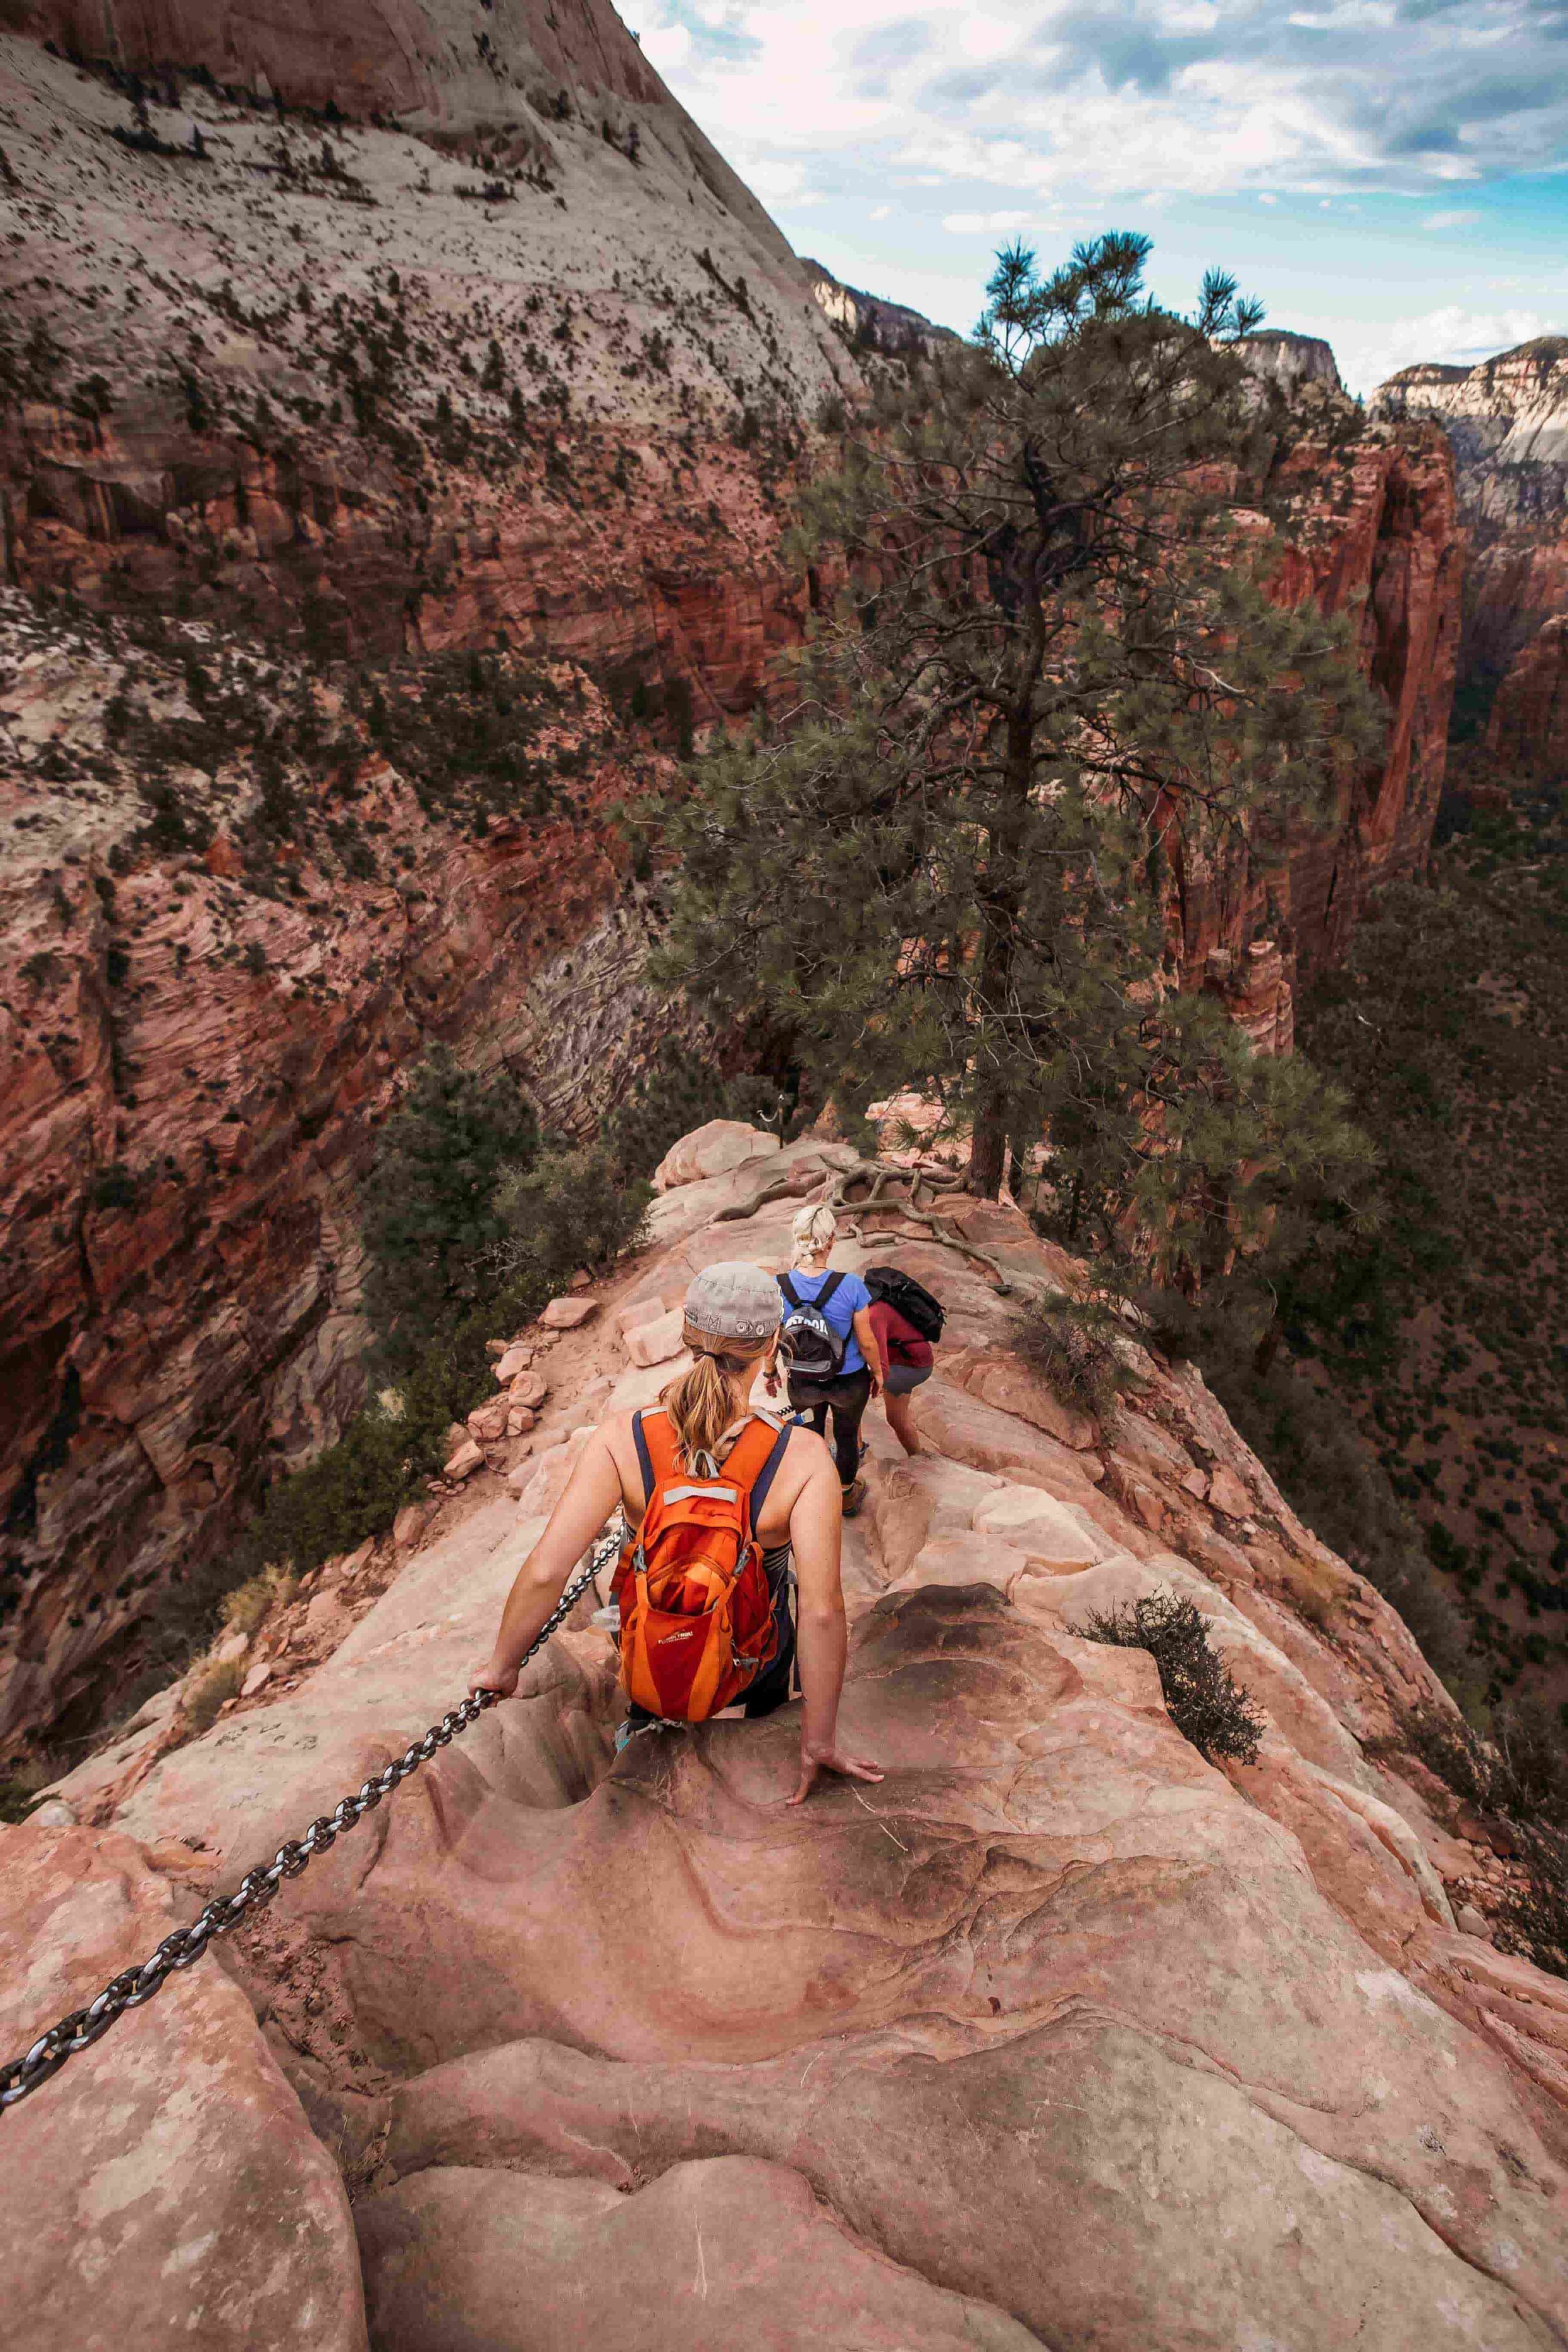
(720, 1502)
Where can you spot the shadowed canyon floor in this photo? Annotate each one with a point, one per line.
(1058, 2037)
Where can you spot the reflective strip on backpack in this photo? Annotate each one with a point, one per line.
(701, 1494)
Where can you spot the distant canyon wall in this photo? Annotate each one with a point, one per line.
(1507, 419)
(1367, 515)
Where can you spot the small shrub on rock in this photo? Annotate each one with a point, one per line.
(1069, 1342)
(1517, 1771)
(245, 1608)
(1206, 1702)
(1533, 1918)
(209, 1690)
(1517, 1774)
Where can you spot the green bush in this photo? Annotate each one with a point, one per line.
(1206, 1702)
(570, 1209)
(430, 1226)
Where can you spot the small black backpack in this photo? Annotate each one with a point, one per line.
(908, 1298)
(815, 1350)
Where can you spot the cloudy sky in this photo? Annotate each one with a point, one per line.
(1391, 173)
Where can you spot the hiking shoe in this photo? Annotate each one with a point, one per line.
(853, 1497)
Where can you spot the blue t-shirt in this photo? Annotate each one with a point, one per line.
(840, 1311)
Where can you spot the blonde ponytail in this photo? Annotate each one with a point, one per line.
(701, 1402)
(813, 1232)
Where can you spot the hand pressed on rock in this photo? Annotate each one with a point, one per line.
(831, 1759)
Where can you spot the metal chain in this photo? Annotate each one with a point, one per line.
(257, 1889)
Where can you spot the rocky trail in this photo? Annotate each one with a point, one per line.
(1059, 2036)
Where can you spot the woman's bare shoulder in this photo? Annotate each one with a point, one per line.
(618, 1432)
(806, 1453)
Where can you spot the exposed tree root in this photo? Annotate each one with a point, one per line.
(876, 1175)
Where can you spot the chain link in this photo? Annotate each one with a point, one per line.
(257, 1889)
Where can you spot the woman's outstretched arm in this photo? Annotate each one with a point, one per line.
(591, 1493)
(822, 1640)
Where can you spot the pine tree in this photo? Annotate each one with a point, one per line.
(1055, 696)
(431, 1229)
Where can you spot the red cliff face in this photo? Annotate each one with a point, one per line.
(1507, 419)
(526, 370)
(1527, 729)
(1369, 529)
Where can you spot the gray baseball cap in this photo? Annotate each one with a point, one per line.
(734, 1300)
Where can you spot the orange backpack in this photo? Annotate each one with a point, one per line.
(698, 1625)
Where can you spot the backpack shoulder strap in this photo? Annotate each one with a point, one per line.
(829, 1287)
(753, 1462)
(656, 1450)
(789, 1292)
(762, 1483)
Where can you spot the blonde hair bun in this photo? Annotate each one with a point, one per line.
(813, 1230)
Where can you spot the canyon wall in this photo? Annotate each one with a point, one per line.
(1507, 419)
(486, 354)
(1366, 515)
(540, 389)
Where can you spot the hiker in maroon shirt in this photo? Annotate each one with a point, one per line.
(908, 1359)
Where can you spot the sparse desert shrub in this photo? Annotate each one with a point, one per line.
(1068, 1341)
(1518, 1774)
(1517, 1770)
(208, 1692)
(1206, 1702)
(244, 1609)
(1533, 1918)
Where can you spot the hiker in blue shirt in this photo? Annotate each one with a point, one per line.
(834, 1359)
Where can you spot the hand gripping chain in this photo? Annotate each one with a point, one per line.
(132, 1987)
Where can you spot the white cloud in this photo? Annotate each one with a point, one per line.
(986, 223)
(1450, 220)
(1452, 336)
(1048, 99)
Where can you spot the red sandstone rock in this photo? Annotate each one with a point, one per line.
(167, 2184)
(1228, 1493)
(1527, 729)
(656, 1342)
(708, 2257)
(716, 1149)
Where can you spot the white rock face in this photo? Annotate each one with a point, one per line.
(1290, 361)
(1512, 409)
